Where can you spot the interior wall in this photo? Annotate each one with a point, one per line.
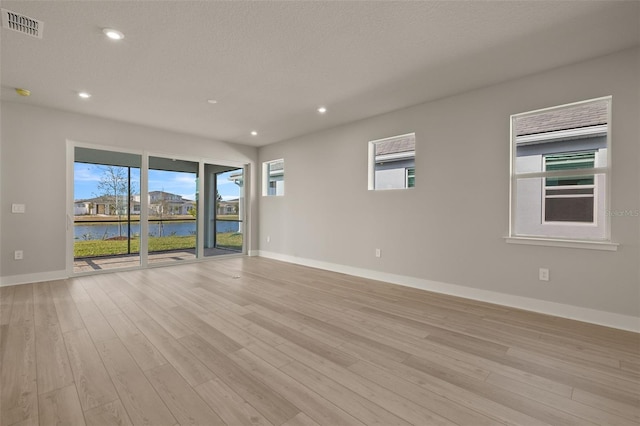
(33, 172)
(450, 228)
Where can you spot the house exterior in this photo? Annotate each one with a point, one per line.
(559, 140)
(160, 203)
(81, 208)
(166, 203)
(228, 207)
(103, 205)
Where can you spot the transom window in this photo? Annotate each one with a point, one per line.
(560, 169)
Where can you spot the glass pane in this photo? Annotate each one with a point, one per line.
(224, 210)
(274, 175)
(570, 160)
(229, 235)
(560, 212)
(562, 139)
(570, 181)
(106, 210)
(394, 162)
(572, 191)
(172, 209)
(569, 209)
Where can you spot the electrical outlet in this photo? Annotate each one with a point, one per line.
(18, 255)
(378, 253)
(268, 238)
(18, 208)
(543, 274)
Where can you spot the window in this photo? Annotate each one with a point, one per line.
(392, 162)
(411, 177)
(106, 223)
(570, 199)
(133, 209)
(560, 169)
(273, 178)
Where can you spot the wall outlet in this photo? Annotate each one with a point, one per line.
(268, 238)
(18, 255)
(18, 208)
(378, 253)
(543, 274)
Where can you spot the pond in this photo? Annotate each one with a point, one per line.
(103, 231)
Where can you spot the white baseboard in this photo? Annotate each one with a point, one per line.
(608, 319)
(32, 278)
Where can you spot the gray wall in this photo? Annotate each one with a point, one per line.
(33, 172)
(450, 227)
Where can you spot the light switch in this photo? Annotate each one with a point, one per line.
(17, 208)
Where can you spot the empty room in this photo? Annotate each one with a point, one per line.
(306, 213)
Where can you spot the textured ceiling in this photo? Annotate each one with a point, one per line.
(271, 64)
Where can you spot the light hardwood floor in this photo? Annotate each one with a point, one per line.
(251, 341)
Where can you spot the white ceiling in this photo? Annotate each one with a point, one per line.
(271, 64)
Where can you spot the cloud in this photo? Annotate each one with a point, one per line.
(183, 179)
(225, 183)
(85, 173)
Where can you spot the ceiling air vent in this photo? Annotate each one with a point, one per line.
(21, 23)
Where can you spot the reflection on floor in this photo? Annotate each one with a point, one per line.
(132, 260)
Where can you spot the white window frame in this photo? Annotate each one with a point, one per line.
(266, 175)
(585, 243)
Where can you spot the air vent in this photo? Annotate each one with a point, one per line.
(23, 24)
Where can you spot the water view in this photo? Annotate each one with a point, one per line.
(105, 231)
(108, 205)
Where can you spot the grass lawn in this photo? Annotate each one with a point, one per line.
(95, 248)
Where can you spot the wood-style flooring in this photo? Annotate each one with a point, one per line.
(251, 341)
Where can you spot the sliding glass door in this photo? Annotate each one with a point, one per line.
(172, 200)
(224, 210)
(134, 210)
(106, 210)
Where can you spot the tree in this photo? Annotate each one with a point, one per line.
(114, 187)
(163, 206)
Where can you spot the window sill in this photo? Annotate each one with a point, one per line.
(579, 244)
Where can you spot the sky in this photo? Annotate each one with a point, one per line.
(87, 178)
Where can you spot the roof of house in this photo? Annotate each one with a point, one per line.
(276, 165)
(161, 192)
(404, 143)
(585, 115)
(99, 199)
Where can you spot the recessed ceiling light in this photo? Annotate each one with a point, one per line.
(113, 34)
(254, 133)
(212, 101)
(322, 110)
(84, 95)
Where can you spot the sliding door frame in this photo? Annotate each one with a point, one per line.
(144, 204)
